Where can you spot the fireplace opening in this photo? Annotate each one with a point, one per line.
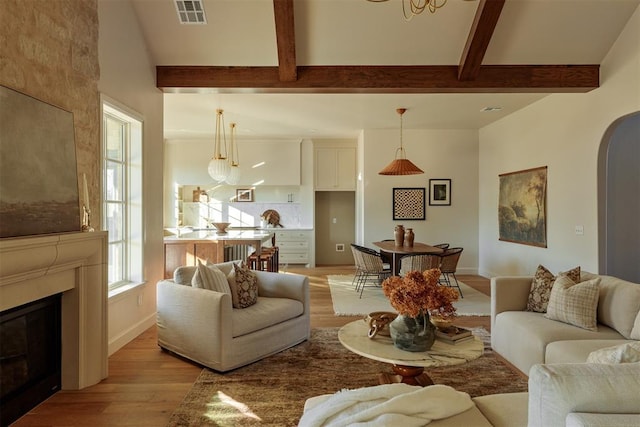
(30, 356)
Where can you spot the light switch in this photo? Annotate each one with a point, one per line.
(335, 220)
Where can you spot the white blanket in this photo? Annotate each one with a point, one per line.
(387, 405)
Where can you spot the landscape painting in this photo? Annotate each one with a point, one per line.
(38, 178)
(522, 207)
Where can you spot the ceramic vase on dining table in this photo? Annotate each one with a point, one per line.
(399, 235)
(408, 237)
(412, 333)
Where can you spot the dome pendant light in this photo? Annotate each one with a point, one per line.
(234, 170)
(218, 165)
(401, 165)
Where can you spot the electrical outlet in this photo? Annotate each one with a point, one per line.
(579, 230)
(139, 300)
(339, 247)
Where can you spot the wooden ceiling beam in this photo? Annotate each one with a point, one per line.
(484, 24)
(380, 79)
(286, 40)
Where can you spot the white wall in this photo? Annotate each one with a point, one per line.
(451, 154)
(128, 77)
(563, 132)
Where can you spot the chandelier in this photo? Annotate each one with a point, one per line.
(218, 165)
(234, 170)
(416, 7)
(401, 165)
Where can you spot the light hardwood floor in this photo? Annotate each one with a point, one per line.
(146, 384)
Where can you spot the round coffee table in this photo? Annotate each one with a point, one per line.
(408, 367)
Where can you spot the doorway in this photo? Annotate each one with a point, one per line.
(335, 227)
(619, 199)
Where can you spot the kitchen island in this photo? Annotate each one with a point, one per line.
(185, 249)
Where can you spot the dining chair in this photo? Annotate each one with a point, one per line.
(419, 262)
(448, 265)
(369, 267)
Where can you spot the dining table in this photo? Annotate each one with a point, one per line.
(397, 252)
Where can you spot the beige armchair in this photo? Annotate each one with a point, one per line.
(202, 325)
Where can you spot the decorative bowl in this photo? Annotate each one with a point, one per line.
(378, 321)
(441, 323)
(221, 227)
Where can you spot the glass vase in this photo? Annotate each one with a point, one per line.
(412, 333)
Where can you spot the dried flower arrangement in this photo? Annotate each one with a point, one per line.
(418, 292)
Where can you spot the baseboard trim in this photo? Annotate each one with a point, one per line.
(130, 334)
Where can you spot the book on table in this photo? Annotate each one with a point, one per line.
(453, 334)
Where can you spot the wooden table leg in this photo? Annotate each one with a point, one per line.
(412, 375)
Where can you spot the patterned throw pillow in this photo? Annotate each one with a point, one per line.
(541, 287)
(210, 278)
(576, 304)
(244, 292)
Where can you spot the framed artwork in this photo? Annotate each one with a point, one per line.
(39, 183)
(522, 207)
(244, 194)
(440, 192)
(408, 203)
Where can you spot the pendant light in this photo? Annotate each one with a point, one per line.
(401, 165)
(234, 170)
(218, 165)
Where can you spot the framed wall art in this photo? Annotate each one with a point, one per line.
(440, 192)
(522, 207)
(408, 203)
(38, 170)
(244, 195)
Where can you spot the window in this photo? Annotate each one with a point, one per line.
(122, 194)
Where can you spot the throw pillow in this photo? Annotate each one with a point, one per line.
(572, 303)
(635, 332)
(624, 353)
(541, 287)
(210, 278)
(245, 293)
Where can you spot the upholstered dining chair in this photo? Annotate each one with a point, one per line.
(369, 267)
(420, 262)
(448, 265)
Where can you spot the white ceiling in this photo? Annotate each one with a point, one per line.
(358, 32)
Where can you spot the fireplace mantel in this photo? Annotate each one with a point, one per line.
(74, 264)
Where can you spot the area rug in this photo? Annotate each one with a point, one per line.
(347, 302)
(272, 392)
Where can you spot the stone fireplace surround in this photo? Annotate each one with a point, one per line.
(74, 264)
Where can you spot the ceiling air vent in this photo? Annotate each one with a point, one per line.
(190, 11)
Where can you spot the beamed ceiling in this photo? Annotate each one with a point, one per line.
(328, 68)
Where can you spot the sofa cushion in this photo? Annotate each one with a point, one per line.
(541, 286)
(619, 304)
(585, 419)
(635, 332)
(504, 410)
(573, 303)
(555, 390)
(244, 287)
(522, 336)
(264, 313)
(578, 351)
(210, 278)
(622, 353)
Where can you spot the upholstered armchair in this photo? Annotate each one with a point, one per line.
(202, 324)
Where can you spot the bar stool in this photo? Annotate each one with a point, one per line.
(266, 260)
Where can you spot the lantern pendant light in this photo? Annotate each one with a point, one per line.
(234, 170)
(401, 165)
(218, 165)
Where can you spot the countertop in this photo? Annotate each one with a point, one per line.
(229, 235)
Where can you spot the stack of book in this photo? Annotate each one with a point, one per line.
(453, 334)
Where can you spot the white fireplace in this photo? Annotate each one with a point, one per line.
(75, 265)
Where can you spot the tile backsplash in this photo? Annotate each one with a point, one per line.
(239, 214)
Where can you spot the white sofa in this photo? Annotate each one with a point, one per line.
(526, 338)
(570, 395)
(203, 326)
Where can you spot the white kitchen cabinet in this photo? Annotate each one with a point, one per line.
(294, 246)
(335, 168)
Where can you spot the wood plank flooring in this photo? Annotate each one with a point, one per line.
(145, 384)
